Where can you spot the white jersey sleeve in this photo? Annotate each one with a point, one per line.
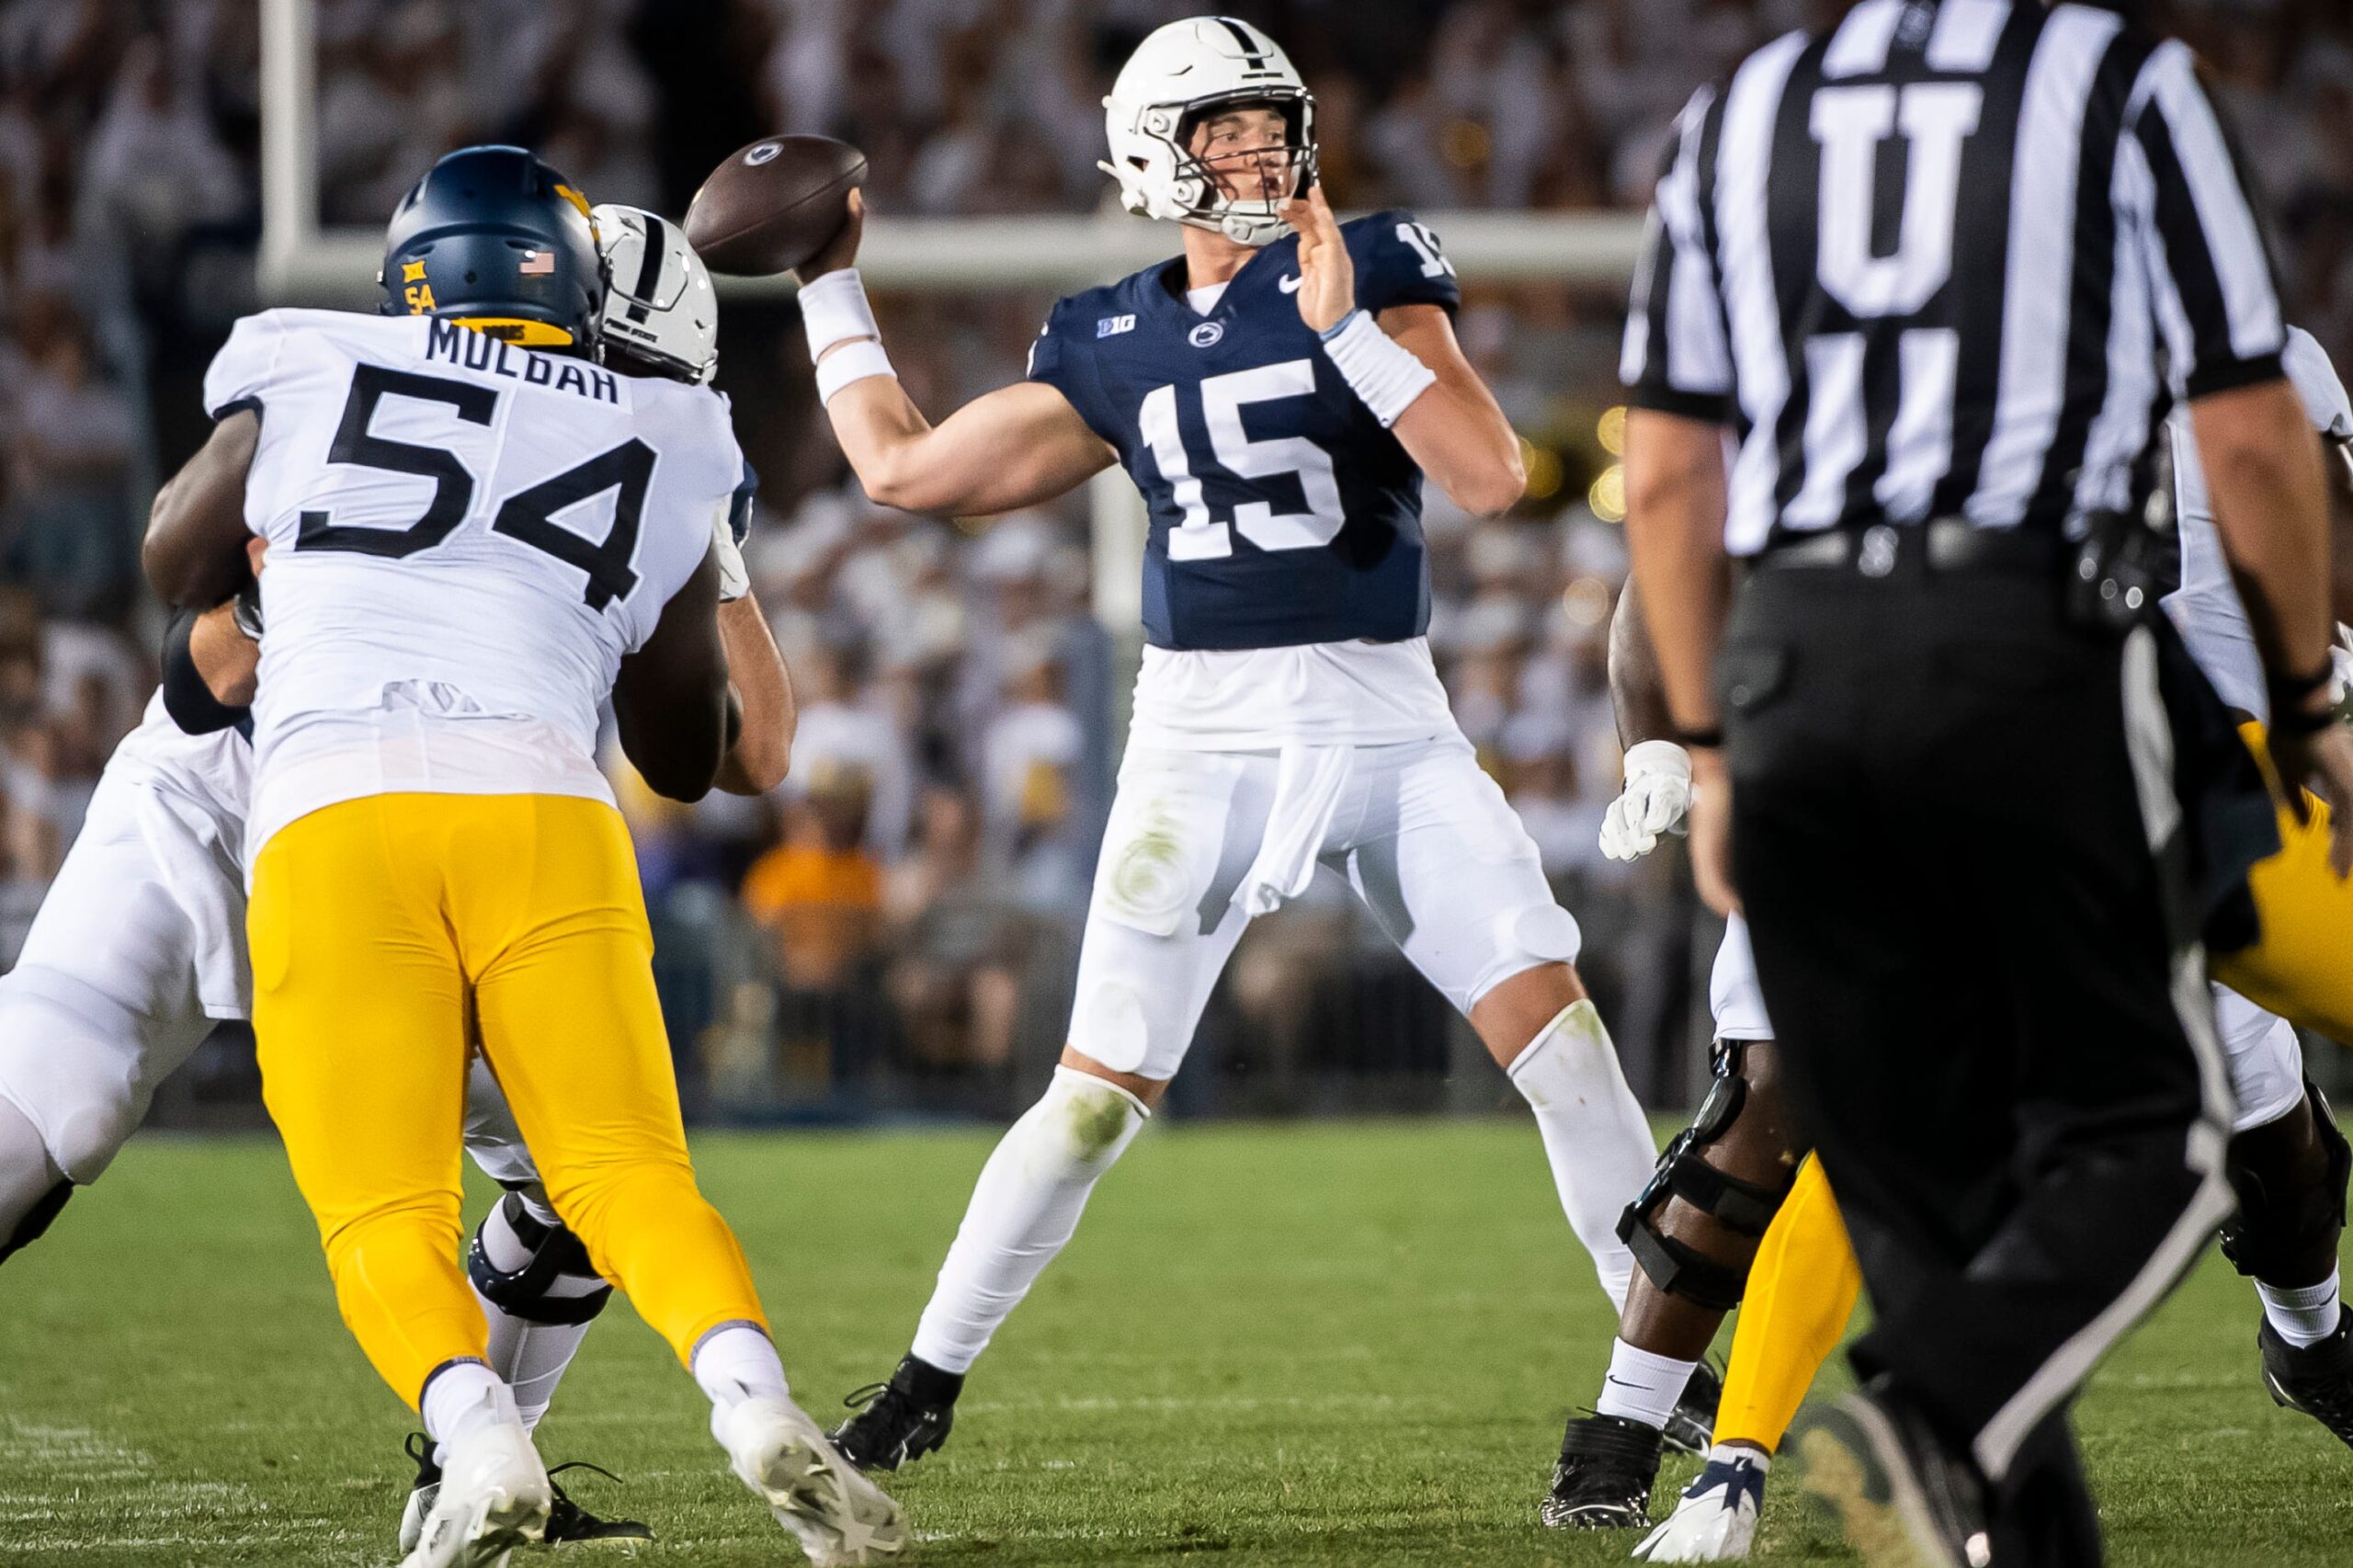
(460, 530)
(2206, 608)
(245, 364)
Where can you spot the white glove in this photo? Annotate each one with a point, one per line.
(734, 582)
(1657, 793)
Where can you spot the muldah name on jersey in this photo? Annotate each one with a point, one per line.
(474, 351)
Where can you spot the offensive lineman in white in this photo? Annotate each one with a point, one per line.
(1279, 398)
(139, 946)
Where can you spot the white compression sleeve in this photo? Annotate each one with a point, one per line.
(1024, 1208)
(1593, 1133)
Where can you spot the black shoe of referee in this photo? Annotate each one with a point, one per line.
(900, 1420)
(2317, 1379)
(1902, 1498)
(1603, 1482)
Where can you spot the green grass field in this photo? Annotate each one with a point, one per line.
(1329, 1343)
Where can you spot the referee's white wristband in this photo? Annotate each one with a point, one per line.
(834, 309)
(1384, 373)
(851, 362)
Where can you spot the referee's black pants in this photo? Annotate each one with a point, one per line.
(1944, 803)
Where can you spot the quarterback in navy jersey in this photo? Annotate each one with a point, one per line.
(1280, 393)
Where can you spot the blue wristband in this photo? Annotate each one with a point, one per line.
(1337, 327)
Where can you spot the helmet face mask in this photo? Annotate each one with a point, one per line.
(1183, 76)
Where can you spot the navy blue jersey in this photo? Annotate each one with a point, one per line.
(1281, 512)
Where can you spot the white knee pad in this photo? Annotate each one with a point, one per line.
(1089, 1120)
(81, 1068)
(1522, 939)
(2266, 1060)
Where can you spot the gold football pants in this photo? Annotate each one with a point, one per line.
(377, 924)
(1804, 1283)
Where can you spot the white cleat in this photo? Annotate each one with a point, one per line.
(493, 1497)
(1715, 1520)
(841, 1519)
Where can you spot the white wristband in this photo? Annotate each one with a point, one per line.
(851, 362)
(1384, 373)
(834, 309)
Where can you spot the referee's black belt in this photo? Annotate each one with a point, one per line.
(1941, 544)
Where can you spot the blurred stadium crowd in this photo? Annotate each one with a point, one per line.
(897, 927)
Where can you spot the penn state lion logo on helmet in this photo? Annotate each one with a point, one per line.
(1178, 75)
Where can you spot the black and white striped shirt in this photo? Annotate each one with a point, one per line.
(1951, 258)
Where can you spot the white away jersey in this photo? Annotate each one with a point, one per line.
(2206, 607)
(465, 538)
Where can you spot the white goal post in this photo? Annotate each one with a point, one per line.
(302, 264)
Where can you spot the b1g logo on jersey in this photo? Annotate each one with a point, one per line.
(1111, 326)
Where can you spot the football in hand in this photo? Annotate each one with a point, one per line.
(774, 204)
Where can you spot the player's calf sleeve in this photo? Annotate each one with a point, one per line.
(1593, 1133)
(32, 1190)
(1023, 1210)
(1801, 1290)
(540, 1294)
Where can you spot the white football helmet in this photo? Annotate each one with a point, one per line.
(1178, 75)
(659, 308)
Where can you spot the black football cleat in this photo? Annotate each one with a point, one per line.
(1692, 1428)
(1902, 1498)
(1603, 1482)
(902, 1420)
(427, 1487)
(2316, 1380)
(569, 1521)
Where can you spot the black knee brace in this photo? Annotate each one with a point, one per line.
(523, 1292)
(2273, 1228)
(1743, 1207)
(36, 1220)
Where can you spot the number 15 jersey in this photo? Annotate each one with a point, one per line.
(1281, 512)
(465, 538)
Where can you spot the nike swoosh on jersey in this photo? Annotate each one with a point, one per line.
(1289, 285)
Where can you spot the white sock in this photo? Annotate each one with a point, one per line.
(1756, 1458)
(1593, 1133)
(737, 1362)
(2304, 1316)
(1640, 1386)
(1024, 1208)
(462, 1398)
(531, 1356)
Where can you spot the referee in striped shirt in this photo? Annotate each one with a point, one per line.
(1938, 272)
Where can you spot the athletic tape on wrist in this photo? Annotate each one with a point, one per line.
(851, 362)
(834, 309)
(1385, 375)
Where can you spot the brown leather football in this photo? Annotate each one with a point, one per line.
(774, 204)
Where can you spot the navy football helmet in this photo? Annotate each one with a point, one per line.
(496, 239)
